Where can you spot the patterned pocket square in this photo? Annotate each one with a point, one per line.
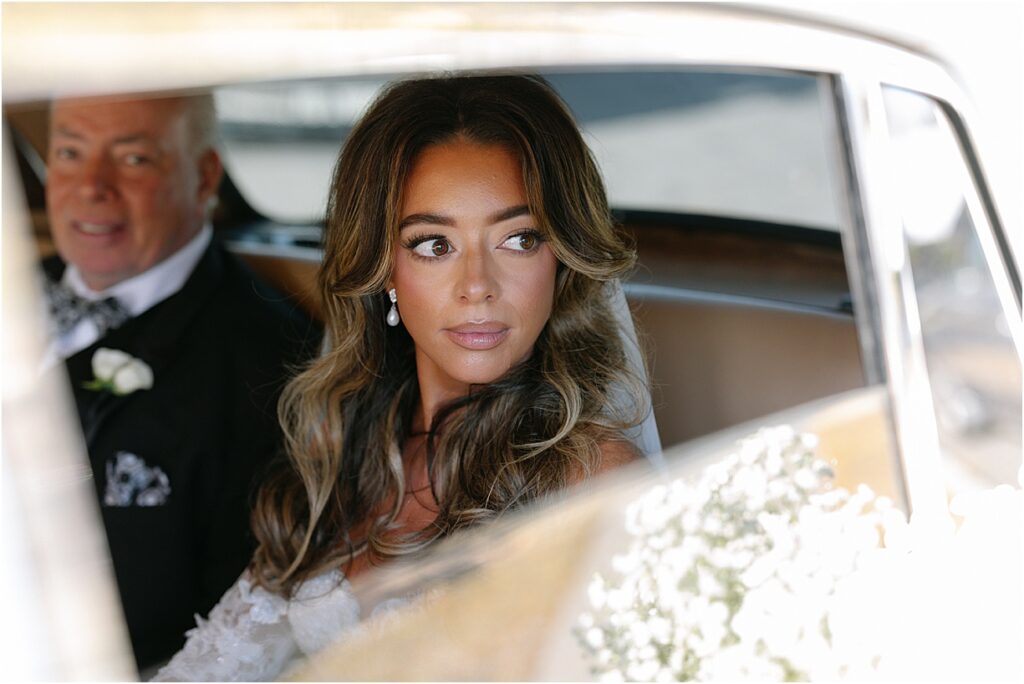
(130, 482)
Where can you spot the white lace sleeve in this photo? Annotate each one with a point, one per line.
(247, 637)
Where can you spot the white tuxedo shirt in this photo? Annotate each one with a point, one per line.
(137, 294)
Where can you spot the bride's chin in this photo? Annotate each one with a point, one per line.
(479, 375)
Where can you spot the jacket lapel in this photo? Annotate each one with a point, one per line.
(152, 337)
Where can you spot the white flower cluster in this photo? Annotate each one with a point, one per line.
(941, 604)
(733, 578)
(119, 372)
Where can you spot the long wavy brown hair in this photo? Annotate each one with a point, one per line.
(527, 434)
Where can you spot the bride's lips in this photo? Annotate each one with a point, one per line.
(478, 336)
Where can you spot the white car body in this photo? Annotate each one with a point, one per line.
(52, 50)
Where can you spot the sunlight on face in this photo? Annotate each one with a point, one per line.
(475, 278)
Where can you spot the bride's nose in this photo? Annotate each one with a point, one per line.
(478, 277)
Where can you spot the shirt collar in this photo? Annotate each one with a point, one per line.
(141, 292)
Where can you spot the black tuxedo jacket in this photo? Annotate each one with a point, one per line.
(220, 350)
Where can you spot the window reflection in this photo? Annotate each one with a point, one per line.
(973, 366)
(749, 145)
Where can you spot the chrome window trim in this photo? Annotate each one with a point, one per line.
(902, 342)
(968, 148)
(987, 227)
(855, 242)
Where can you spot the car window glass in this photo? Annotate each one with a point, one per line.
(280, 141)
(973, 366)
(747, 145)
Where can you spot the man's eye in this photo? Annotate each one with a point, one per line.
(65, 153)
(135, 159)
(523, 242)
(433, 247)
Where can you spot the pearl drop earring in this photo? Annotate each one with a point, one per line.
(393, 318)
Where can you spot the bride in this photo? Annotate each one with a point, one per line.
(471, 362)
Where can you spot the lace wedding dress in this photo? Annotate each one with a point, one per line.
(254, 635)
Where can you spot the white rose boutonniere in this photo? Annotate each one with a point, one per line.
(118, 372)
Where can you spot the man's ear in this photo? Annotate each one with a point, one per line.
(210, 172)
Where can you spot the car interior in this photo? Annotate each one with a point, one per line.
(738, 318)
(758, 296)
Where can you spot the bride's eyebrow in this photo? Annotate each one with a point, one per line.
(440, 220)
(510, 213)
(429, 219)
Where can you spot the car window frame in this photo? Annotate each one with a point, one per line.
(890, 288)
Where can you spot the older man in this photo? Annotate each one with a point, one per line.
(178, 409)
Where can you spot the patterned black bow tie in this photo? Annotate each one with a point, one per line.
(68, 309)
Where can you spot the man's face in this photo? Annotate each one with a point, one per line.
(126, 187)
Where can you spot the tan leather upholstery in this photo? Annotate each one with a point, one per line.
(293, 277)
(717, 365)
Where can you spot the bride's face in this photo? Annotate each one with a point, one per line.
(475, 278)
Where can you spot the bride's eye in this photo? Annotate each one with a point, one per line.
(429, 246)
(526, 241)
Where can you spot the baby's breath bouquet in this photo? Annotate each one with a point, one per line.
(733, 578)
